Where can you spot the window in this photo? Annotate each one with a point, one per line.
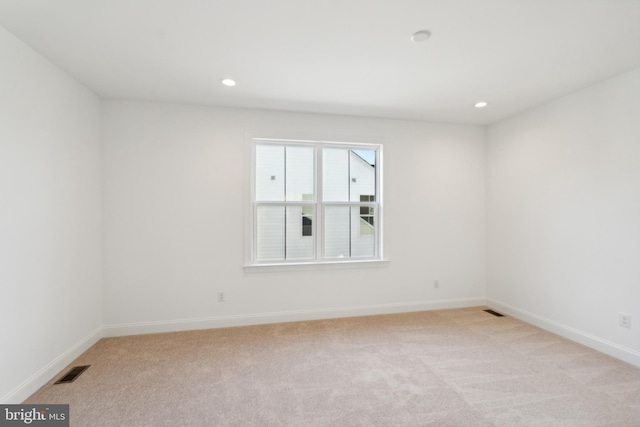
(315, 202)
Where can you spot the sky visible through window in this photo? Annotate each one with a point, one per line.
(368, 155)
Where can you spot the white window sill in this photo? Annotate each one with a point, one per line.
(308, 266)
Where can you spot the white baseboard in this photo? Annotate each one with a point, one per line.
(604, 346)
(44, 375)
(285, 316)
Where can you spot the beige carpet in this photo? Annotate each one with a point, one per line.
(460, 367)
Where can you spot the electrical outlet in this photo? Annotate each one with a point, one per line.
(625, 320)
(221, 297)
(436, 284)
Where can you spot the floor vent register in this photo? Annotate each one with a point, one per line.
(72, 375)
(495, 313)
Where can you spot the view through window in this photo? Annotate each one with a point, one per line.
(315, 202)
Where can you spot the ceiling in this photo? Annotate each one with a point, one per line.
(352, 57)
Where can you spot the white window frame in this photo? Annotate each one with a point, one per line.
(251, 262)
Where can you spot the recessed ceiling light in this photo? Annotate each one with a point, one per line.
(481, 104)
(228, 82)
(420, 36)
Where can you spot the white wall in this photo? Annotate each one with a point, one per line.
(167, 217)
(175, 188)
(50, 219)
(563, 199)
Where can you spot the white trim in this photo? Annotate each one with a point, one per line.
(285, 316)
(315, 142)
(250, 207)
(318, 167)
(44, 375)
(315, 265)
(380, 196)
(604, 346)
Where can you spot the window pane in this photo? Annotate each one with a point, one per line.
(270, 224)
(270, 176)
(362, 174)
(292, 223)
(362, 232)
(300, 241)
(299, 173)
(348, 174)
(336, 232)
(335, 178)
